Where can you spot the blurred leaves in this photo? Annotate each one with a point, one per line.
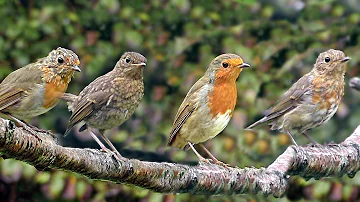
(280, 39)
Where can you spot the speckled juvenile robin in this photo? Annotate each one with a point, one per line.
(110, 99)
(208, 106)
(36, 88)
(313, 99)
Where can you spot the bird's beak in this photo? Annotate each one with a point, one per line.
(76, 68)
(345, 59)
(140, 64)
(244, 65)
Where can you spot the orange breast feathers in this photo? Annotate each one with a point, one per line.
(223, 98)
(328, 96)
(54, 90)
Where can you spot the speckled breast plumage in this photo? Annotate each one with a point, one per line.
(119, 106)
(110, 99)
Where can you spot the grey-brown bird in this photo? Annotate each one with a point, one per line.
(109, 100)
(313, 99)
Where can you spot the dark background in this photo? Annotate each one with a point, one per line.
(280, 39)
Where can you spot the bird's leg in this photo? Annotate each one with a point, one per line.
(291, 137)
(118, 155)
(32, 129)
(25, 126)
(102, 146)
(312, 140)
(49, 132)
(217, 162)
(201, 158)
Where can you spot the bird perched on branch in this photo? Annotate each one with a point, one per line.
(313, 99)
(37, 87)
(110, 99)
(208, 106)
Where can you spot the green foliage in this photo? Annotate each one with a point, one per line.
(280, 39)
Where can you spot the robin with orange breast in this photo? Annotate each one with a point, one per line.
(109, 100)
(313, 99)
(208, 106)
(36, 88)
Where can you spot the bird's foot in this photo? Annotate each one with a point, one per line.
(48, 132)
(214, 160)
(211, 161)
(25, 126)
(315, 144)
(119, 157)
(31, 131)
(106, 150)
(220, 163)
(114, 154)
(204, 161)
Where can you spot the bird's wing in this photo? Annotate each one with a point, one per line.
(9, 96)
(187, 107)
(27, 74)
(86, 105)
(17, 84)
(183, 114)
(290, 100)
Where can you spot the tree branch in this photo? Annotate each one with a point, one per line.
(308, 162)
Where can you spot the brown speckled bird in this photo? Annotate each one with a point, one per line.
(313, 99)
(208, 106)
(110, 99)
(36, 88)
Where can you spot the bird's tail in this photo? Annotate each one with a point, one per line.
(263, 120)
(68, 129)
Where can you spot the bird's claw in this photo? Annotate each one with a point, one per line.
(48, 132)
(31, 131)
(222, 164)
(114, 154)
(315, 144)
(217, 162)
(106, 150)
(204, 161)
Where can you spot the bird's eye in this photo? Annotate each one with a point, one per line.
(60, 60)
(225, 64)
(327, 59)
(127, 60)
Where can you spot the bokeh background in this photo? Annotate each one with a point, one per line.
(280, 39)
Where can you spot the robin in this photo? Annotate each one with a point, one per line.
(313, 99)
(37, 87)
(208, 106)
(109, 100)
